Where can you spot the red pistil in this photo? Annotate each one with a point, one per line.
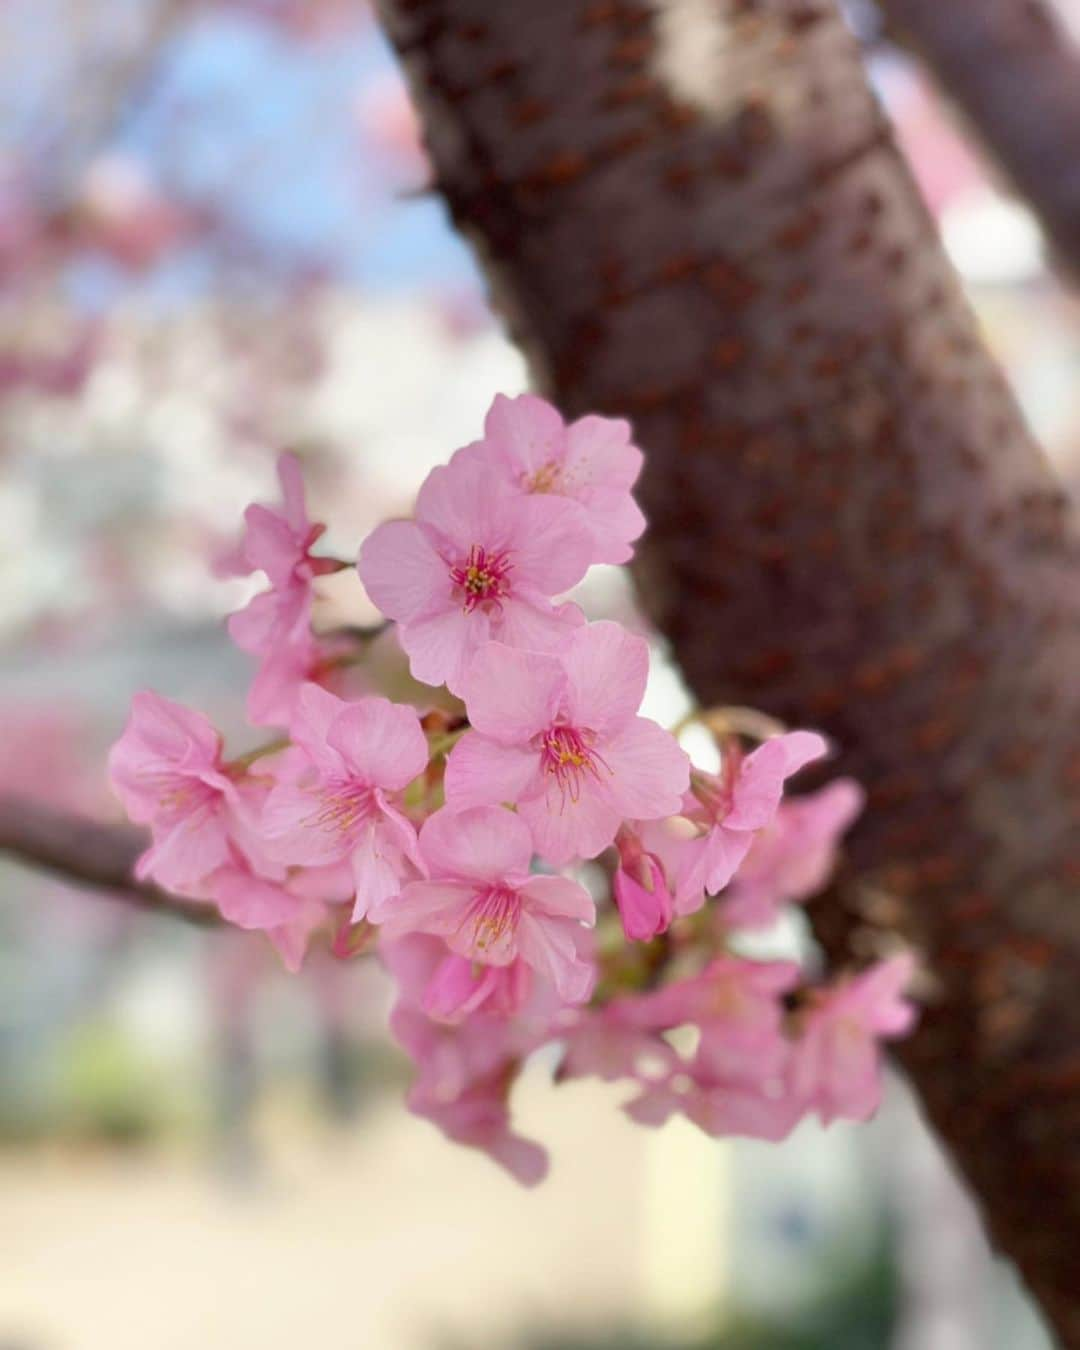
(567, 754)
(483, 578)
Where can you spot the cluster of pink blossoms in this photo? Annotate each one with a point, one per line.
(454, 844)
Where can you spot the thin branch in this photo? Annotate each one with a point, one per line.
(88, 853)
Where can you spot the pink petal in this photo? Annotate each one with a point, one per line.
(315, 711)
(249, 902)
(188, 852)
(378, 872)
(291, 939)
(381, 742)
(269, 543)
(529, 621)
(528, 430)
(558, 897)
(160, 731)
(760, 785)
(512, 695)
(460, 987)
(402, 573)
(482, 844)
(644, 912)
(650, 771)
(292, 493)
(724, 851)
(606, 671)
(552, 543)
(481, 772)
(302, 826)
(550, 947)
(462, 504)
(802, 748)
(728, 1111)
(440, 646)
(564, 829)
(600, 454)
(434, 907)
(525, 1161)
(616, 521)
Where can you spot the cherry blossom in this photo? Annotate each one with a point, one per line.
(464, 1072)
(167, 770)
(735, 1082)
(559, 736)
(835, 1067)
(448, 841)
(336, 799)
(276, 624)
(477, 563)
(735, 805)
(488, 908)
(592, 462)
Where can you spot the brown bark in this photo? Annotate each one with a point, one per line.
(692, 212)
(87, 853)
(1014, 72)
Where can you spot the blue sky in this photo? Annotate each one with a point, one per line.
(264, 127)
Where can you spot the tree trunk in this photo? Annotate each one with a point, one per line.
(1015, 74)
(692, 212)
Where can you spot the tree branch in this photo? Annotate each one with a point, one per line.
(692, 212)
(1014, 72)
(88, 853)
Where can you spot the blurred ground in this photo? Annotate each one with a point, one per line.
(382, 1236)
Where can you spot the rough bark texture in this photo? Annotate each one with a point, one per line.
(691, 212)
(88, 853)
(1013, 70)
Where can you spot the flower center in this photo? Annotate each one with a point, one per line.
(179, 796)
(341, 807)
(483, 578)
(545, 479)
(567, 754)
(493, 918)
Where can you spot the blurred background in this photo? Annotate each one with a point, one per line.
(217, 242)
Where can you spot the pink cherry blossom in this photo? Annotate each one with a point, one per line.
(559, 736)
(792, 858)
(488, 908)
(278, 540)
(478, 562)
(335, 799)
(592, 462)
(735, 1083)
(640, 888)
(276, 624)
(447, 1057)
(735, 805)
(167, 770)
(835, 1065)
(465, 1071)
